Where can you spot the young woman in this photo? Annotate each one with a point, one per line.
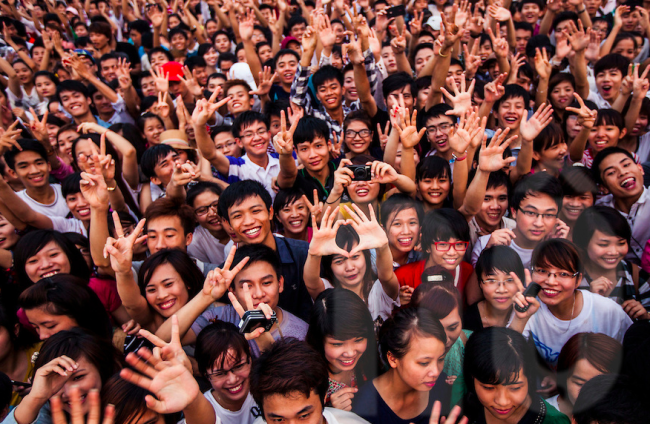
(209, 238)
(130, 406)
(345, 251)
(17, 346)
(358, 136)
(444, 301)
(561, 87)
(22, 92)
(549, 150)
(401, 216)
(63, 302)
(292, 214)
(502, 383)
(583, 357)
(562, 309)
(433, 178)
(603, 237)
(579, 192)
(497, 286)
(224, 358)
(151, 126)
(341, 330)
(69, 359)
(167, 280)
(412, 346)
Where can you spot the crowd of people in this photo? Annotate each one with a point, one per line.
(324, 211)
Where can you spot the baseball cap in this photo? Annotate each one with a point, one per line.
(174, 69)
(434, 22)
(85, 53)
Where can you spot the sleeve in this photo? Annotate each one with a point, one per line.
(204, 320)
(325, 60)
(65, 225)
(300, 88)
(371, 69)
(235, 167)
(44, 416)
(63, 171)
(478, 248)
(119, 105)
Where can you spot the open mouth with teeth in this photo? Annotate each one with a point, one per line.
(235, 390)
(362, 192)
(296, 223)
(573, 211)
(253, 232)
(50, 273)
(167, 304)
(511, 119)
(82, 399)
(493, 216)
(405, 241)
(609, 260)
(550, 292)
(83, 212)
(628, 183)
(346, 363)
(606, 90)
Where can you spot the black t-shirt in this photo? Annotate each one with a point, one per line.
(369, 405)
(278, 93)
(307, 183)
(472, 318)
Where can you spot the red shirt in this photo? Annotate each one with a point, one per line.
(411, 275)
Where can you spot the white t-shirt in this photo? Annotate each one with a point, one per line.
(524, 254)
(380, 304)
(205, 247)
(224, 416)
(56, 208)
(599, 315)
(68, 225)
(332, 416)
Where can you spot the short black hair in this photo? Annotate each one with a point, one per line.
(610, 117)
(609, 399)
(564, 16)
(71, 184)
(283, 52)
(512, 91)
(26, 145)
(280, 370)
(327, 73)
(195, 62)
(612, 61)
(309, 128)
(397, 82)
(604, 219)
(600, 157)
(499, 258)
(443, 225)
(524, 25)
(71, 85)
(296, 20)
(159, 50)
(245, 120)
(537, 183)
(432, 167)
(201, 187)
(239, 191)
(258, 253)
(578, 180)
(398, 203)
(152, 156)
(540, 42)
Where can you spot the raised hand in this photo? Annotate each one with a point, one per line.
(530, 128)
(77, 415)
(161, 79)
(490, 158)
(155, 16)
(205, 109)
(219, 280)
(172, 351)
(162, 107)
(461, 137)
(121, 249)
(640, 85)
(266, 82)
(248, 302)
(191, 83)
(323, 240)
(461, 100)
(383, 173)
(542, 64)
(415, 25)
(325, 32)
(335, 146)
(94, 188)
(452, 32)
(8, 139)
(185, 173)
(383, 135)
(283, 140)
(124, 74)
(586, 116)
(462, 14)
(371, 235)
(406, 128)
(494, 90)
(499, 44)
(578, 38)
(51, 377)
(593, 48)
(472, 60)
(247, 25)
(452, 418)
(316, 208)
(309, 39)
(522, 301)
(499, 14)
(39, 128)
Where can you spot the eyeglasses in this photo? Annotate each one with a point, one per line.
(204, 209)
(251, 134)
(560, 276)
(239, 369)
(493, 282)
(535, 215)
(361, 133)
(444, 246)
(443, 128)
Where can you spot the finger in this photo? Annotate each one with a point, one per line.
(119, 231)
(235, 304)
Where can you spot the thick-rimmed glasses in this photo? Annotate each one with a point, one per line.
(443, 128)
(204, 209)
(351, 134)
(444, 246)
(238, 370)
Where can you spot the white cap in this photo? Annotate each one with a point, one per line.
(434, 22)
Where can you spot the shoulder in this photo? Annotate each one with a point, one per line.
(333, 416)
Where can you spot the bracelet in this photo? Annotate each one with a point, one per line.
(454, 158)
(582, 11)
(112, 188)
(447, 55)
(334, 201)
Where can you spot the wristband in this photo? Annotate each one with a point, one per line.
(447, 55)
(454, 158)
(582, 11)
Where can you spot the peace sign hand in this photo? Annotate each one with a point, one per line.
(522, 301)
(586, 116)
(283, 140)
(121, 249)
(248, 301)
(316, 208)
(219, 280)
(39, 128)
(335, 146)
(172, 351)
(383, 135)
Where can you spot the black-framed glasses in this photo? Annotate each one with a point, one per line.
(361, 133)
(443, 128)
(444, 246)
(204, 209)
(535, 215)
(560, 276)
(236, 370)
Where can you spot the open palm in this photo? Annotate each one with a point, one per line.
(323, 240)
(371, 235)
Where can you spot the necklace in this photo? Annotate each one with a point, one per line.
(572, 309)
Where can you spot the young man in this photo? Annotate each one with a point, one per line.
(31, 167)
(258, 279)
(100, 34)
(614, 168)
(225, 142)
(157, 165)
(609, 72)
(491, 217)
(286, 65)
(312, 145)
(523, 32)
(246, 207)
(438, 125)
(535, 205)
(76, 101)
(108, 66)
(286, 393)
(241, 100)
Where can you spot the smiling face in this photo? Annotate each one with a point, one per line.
(251, 220)
(498, 289)
(420, 367)
(166, 232)
(79, 206)
(85, 378)
(573, 206)
(343, 355)
(493, 208)
(608, 83)
(434, 191)
(45, 87)
(449, 259)
(531, 230)
(556, 290)
(75, 103)
(152, 130)
(8, 236)
(621, 176)
(166, 292)
(294, 217)
(330, 94)
(552, 158)
(438, 129)
(604, 136)
(255, 138)
(351, 94)
(315, 155)
(47, 324)
(606, 251)
(263, 284)
(24, 73)
(210, 219)
(349, 272)
(403, 230)
(32, 169)
(562, 95)
(363, 192)
(241, 100)
(109, 69)
(625, 48)
(356, 142)
(510, 113)
(231, 380)
(502, 401)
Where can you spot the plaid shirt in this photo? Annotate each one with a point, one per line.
(300, 89)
